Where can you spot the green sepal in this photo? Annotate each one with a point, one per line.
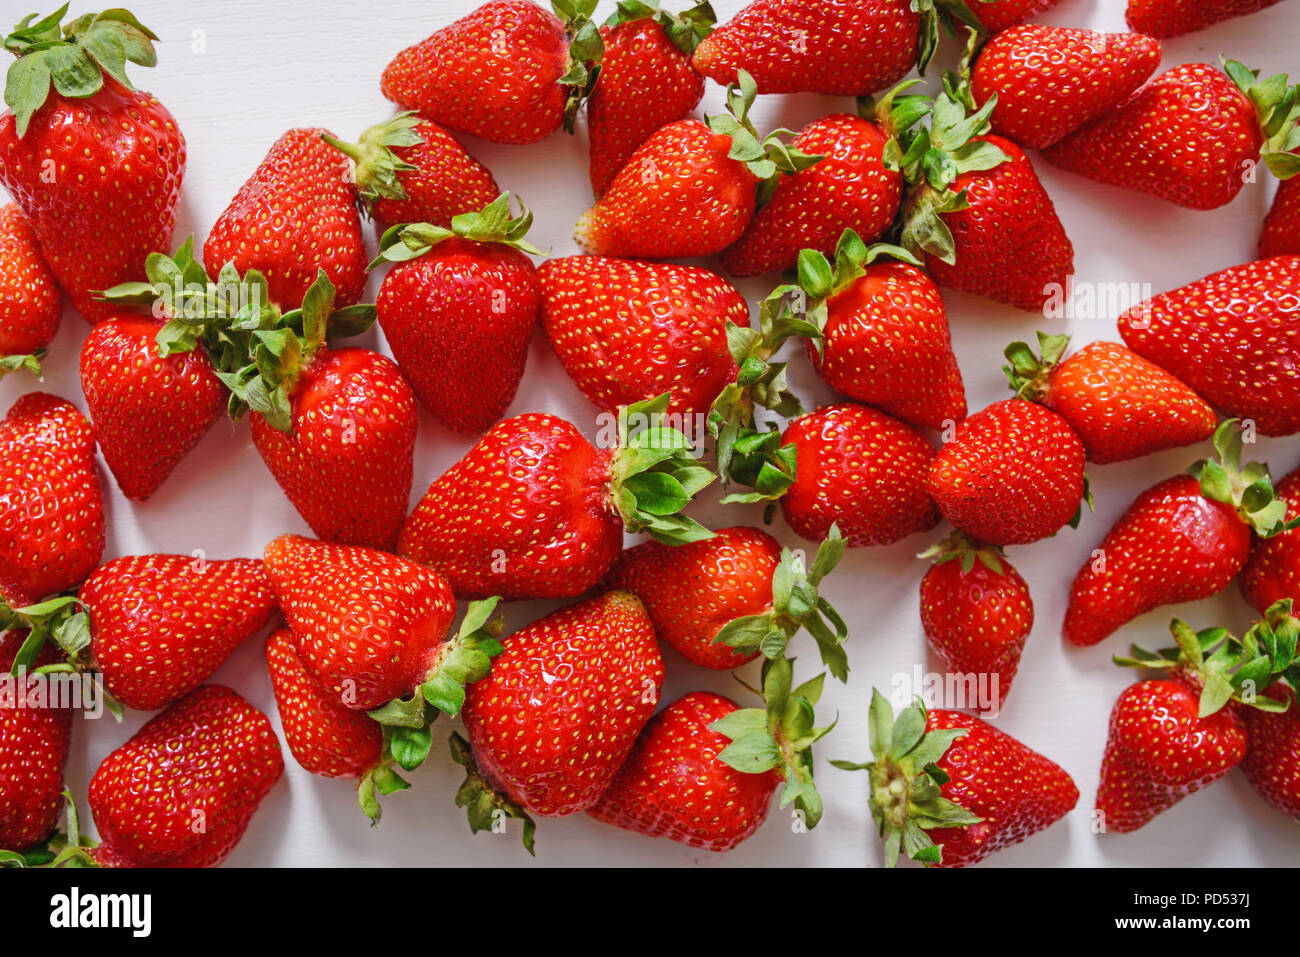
(940, 16)
(1248, 488)
(687, 30)
(32, 363)
(484, 806)
(586, 50)
(1028, 372)
(492, 224)
(768, 158)
(377, 169)
(69, 847)
(382, 779)
(466, 658)
(1277, 107)
(962, 548)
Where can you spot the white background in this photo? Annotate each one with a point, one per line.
(264, 67)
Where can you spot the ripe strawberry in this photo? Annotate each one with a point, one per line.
(1119, 405)
(95, 165)
(534, 510)
(627, 330)
(294, 217)
(1184, 539)
(861, 470)
(1052, 80)
(550, 726)
(1229, 336)
(50, 502)
(1281, 233)
(182, 791)
(646, 81)
(1192, 136)
(976, 612)
(409, 170)
(30, 303)
(997, 15)
(1012, 474)
(1272, 761)
(459, 310)
(1172, 18)
(1272, 571)
(948, 789)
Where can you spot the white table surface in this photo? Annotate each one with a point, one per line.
(237, 74)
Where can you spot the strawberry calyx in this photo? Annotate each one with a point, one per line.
(492, 224)
(937, 16)
(67, 848)
(796, 604)
(375, 165)
(896, 115)
(1028, 372)
(73, 58)
(486, 807)
(31, 362)
(382, 779)
(905, 799)
(961, 547)
(687, 30)
(1277, 106)
(586, 49)
(1248, 488)
(65, 621)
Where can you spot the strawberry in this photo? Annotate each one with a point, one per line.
(1272, 572)
(724, 601)
(534, 510)
(1272, 760)
(627, 330)
(182, 791)
(976, 612)
(1119, 405)
(646, 81)
(409, 170)
(1280, 235)
(1012, 474)
(95, 164)
(998, 15)
(1192, 136)
(1183, 539)
(1228, 337)
(459, 310)
(549, 728)
(1172, 18)
(948, 789)
(50, 503)
(294, 217)
(1052, 80)
(861, 470)
(30, 303)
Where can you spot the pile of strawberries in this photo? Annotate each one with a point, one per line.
(869, 214)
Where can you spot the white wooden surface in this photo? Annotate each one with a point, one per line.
(237, 74)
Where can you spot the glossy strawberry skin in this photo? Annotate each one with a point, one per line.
(459, 320)
(119, 160)
(1231, 337)
(841, 47)
(1051, 80)
(525, 514)
(673, 785)
(1273, 570)
(348, 464)
(324, 737)
(998, 15)
(1016, 790)
(1122, 406)
(1011, 475)
(887, 344)
(627, 330)
(446, 182)
(1272, 761)
(1172, 18)
(368, 626)
(160, 625)
(860, 469)
(296, 215)
(30, 303)
(1281, 233)
(849, 189)
(691, 591)
(554, 721)
(182, 791)
(50, 501)
(646, 82)
(149, 411)
(494, 73)
(1172, 545)
(1159, 751)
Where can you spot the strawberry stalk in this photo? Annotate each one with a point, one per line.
(1248, 488)
(686, 30)
(375, 165)
(486, 807)
(1277, 106)
(492, 224)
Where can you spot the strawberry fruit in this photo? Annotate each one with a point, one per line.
(1173, 18)
(30, 303)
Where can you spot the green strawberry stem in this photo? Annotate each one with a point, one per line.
(375, 165)
(961, 547)
(379, 780)
(492, 224)
(1248, 488)
(31, 362)
(586, 50)
(905, 798)
(897, 115)
(936, 16)
(486, 808)
(1277, 106)
(69, 848)
(1027, 372)
(687, 30)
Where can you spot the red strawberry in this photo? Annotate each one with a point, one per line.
(1184, 539)
(459, 310)
(294, 217)
(1281, 233)
(95, 165)
(1012, 474)
(182, 791)
(30, 303)
(1052, 80)
(646, 81)
(1192, 136)
(549, 728)
(1272, 761)
(627, 330)
(1172, 18)
(976, 612)
(997, 15)
(50, 502)
(861, 470)
(409, 170)
(534, 510)
(948, 789)
(1232, 337)
(1119, 405)
(1272, 571)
